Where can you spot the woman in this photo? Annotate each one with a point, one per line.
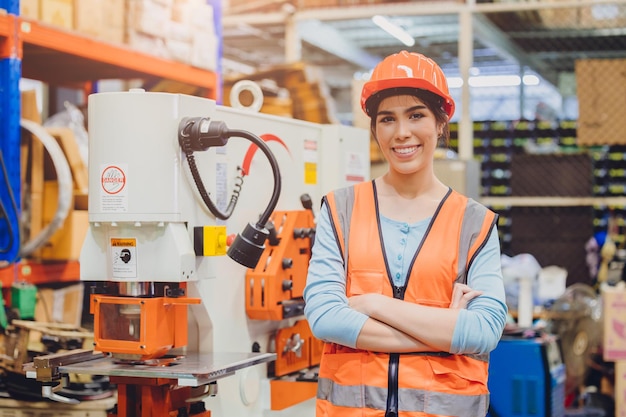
(389, 255)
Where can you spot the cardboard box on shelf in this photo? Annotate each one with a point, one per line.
(602, 16)
(88, 17)
(115, 35)
(115, 13)
(148, 17)
(29, 9)
(67, 241)
(204, 48)
(102, 19)
(194, 15)
(59, 312)
(67, 141)
(601, 90)
(114, 18)
(278, 106)
(559, 17)
(58, 13)
(60, 304)
(614, 317)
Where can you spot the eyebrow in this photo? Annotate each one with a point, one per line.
(409, 110)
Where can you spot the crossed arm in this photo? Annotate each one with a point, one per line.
(398, 326)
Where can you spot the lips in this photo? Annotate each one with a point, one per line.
(405, 150)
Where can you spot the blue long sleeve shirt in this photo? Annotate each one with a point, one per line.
(479, 326)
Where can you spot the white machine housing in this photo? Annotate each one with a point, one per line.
(143, 200)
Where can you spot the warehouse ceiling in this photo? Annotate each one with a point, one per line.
(539, 36)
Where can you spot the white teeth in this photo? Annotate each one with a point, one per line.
(405, 150)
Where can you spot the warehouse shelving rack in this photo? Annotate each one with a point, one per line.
(38, 51)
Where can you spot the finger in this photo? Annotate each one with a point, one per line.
(458, 291)
(469, 296)
(462, 299)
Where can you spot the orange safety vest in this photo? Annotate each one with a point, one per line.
(355, 382)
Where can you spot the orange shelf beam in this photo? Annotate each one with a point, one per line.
(10, 47)
(5, 24)
(55, 55)
(40, 273)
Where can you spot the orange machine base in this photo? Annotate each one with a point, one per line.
(151, 397)
(287, 393)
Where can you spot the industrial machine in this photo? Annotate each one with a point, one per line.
(172, 180)
(527, 378)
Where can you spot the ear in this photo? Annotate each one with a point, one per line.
(440, 126)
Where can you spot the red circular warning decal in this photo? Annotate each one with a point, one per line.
(113, 180)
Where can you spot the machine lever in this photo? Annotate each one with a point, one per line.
(48, 392)
(294, 344)
(46, 367)
(208, 390)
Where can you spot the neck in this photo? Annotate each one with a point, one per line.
(412, 185)
(409, 198)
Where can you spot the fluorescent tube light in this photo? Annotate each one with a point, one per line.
(394, 30)
(494, 81)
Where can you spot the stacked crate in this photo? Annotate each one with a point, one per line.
(178, 30)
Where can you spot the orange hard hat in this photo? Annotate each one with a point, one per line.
(408, 70)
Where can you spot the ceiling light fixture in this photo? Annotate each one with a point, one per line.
(394, 30)
(495, 81)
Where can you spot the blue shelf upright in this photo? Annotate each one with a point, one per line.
(217, 23)
(10, 113)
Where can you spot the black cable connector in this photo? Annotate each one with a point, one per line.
(201, 133)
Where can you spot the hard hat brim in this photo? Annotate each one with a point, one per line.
(372, 88)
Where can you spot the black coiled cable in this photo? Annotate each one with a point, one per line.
(218, 135)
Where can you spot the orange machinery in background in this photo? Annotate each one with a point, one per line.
(274, 291)
(173, 316)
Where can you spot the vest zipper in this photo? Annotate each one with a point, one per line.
(392, 389)
(398, 292)
(392, 373)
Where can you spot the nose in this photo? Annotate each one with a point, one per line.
(403, 130)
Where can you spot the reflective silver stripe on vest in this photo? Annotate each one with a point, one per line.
(470, 229)
(344, 202)
(409, 400)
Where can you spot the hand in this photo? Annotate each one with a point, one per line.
(462, 295)
(365, 303)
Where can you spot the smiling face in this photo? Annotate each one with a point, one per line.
(407, 131)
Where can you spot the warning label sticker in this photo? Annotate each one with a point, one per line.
(113, 190)
(309, 156)
(356, 167)
(124, 257)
